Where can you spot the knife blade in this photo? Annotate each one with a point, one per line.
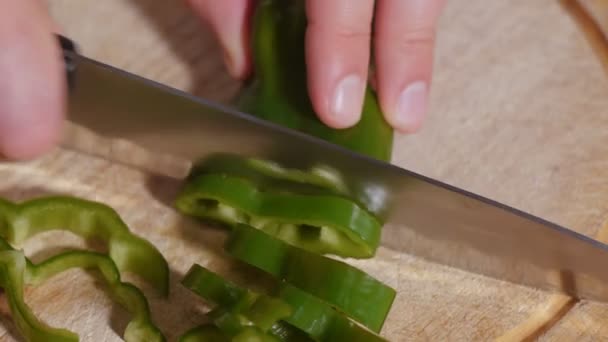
(424, 217)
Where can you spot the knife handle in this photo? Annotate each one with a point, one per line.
(70, 58)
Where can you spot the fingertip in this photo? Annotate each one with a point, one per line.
(32, 86)
(337, 55)
(408, 112)
(39, 140)
(404, 51)
(345, 105)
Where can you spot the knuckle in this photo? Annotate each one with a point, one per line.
(353, 33)
(416, 39)
(343, 31)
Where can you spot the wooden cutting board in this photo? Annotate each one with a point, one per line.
(519, 114)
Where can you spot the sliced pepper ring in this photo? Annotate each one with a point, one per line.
(323, 224)
(204, 333)
(321, 321)
(337, 283)
(15, 277)
(265, 173)
(310, 318)
(237, 308)
(140, 328)
(89, 220)
(12, 280)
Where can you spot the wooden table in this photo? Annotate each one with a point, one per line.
(519, 114)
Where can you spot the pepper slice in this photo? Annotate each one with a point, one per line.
(204, 333)
(16, 271)
(321, 321)
(323, 224)
(90, 220)
(278, 91)
(351, 290)
(238, 308)
(267, 173)
(309, 318)
(12, 274)
(211, 333)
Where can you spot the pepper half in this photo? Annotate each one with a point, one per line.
(16, 271)
(90, 220)
(324, 224)
(278, 90)
(357, 294)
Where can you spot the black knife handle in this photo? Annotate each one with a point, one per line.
(70, 57)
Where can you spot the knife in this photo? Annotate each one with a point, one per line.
(424, 217)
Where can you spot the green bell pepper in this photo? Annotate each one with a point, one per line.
(267, 173)
(321, 321)
(237, 308)
(90, 220)
(278, 90)
(204, 333)
(16, 271)
(323, 224)
(12, 279)
(349, 289)
(308, 319)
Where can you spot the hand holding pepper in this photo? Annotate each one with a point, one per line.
(338, 45)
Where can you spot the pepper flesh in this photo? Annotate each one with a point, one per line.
(12, 274)
(278, 91)
(204, 333)
(324, 224)
(15, 277)
(237, 308)
(320, 321)
(351, 290)
(265, 173)
(310, 318)
(90, 220)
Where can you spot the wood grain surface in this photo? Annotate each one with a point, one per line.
(518, 114)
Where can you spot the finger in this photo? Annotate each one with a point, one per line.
(337, 56)
(32, 86)
(404, 44)
(229, 20)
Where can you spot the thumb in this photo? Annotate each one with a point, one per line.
(32, 85)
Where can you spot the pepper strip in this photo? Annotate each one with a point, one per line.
(139, 329)
(90, 220)
(278, 91)
(310, 315)
(348, 288)
(321, 224)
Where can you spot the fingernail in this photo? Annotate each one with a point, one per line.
(348, 100)
(412, 105)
